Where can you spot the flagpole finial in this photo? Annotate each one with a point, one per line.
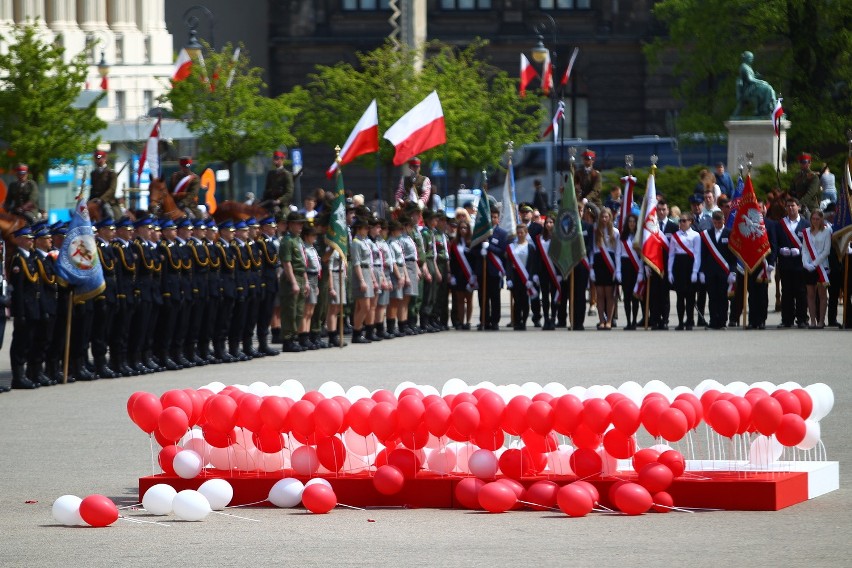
(337, 153)
(628, 163)
(572, 154)
(654, 160)
(484, 180)
(749, 158)
(510, 149)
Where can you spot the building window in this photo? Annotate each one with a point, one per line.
(120, 105)
(564, 4)
(147, 101)
(147, 48)
(365, 5)
(465, 4)
(91, 48)
(580, 117)
(119, 49)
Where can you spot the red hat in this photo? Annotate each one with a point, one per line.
(22, 168)
(185, 161)
(278, 154)
(414, 161)
(589, 154)
(804, 157)
(100, 154)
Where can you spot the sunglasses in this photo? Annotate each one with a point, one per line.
(684, 220)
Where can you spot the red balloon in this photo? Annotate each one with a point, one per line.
(216, 438)
(586, 463)
(708, 398)
(359, 416)
(515, 463)
(673, 460)
(754, 394)
(314, 397)
(542, 494)
(173, 423)
(331, 453)
(177, 398)
(467, 492)
(650, 414)
(462, 397)
(98, 511)
(632, 499)
(345, 405)
(248, 412)
(567, 413)
(574, 500)
(585, 437)
(517, 488)
(655, 477)
(131, 400)
(146, 412)
(789, 402)
(625, 416)
(410, 411)
(274, 411)
(465, 418)
(644, 457)
(744, 410)
(268, 440)
(544, 397)
(488, 440)
(302, 417)
(491, 407)
(663, 502)
(384, 395)
(615, 397)
(673, 424)
(383, 420)
(540, 444)
(805, 401)
(197, 400)
(791, 430)
(724, 418)
(688, 411)
(437, 417)
(389, 479)
(696, 404)
(496, 497)
(410, 391)
(597, 414)
(590, 489)
(319, 498)
(619, 445)
(515, 416)
(406, 460)
(328, 417)
(221, 412)
(417, 439)
(160, 439)
(166, 459)
(540, 417)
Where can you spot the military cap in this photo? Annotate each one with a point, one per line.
(22, 168)
(184, 223)
(804, 157)
(199, 224)
(269, 221)
(279, 154)
(124, 223)
(99, 154)
(227, 225)
(60, 230)
(240, 225)
(41, 232)
(295, 217)
(167, 224)
(24, 232)
(589, 154)
(695, 198)
(525, 208)
(144, 222)
(252, 222)
(107, 223)
(415, 161)
(185, 161)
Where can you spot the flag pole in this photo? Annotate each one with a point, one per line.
(647, 299)
(745, 296)
(340, 324)
(845, 286)
(571, 302)
(483, 306)
(67, 339)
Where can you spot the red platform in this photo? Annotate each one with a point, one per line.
(729, 490)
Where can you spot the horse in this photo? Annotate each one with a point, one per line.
(9, 223)
(236, 211)
(161, 203)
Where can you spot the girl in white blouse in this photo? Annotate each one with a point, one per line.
(817, 247)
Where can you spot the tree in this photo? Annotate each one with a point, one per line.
(39, 121)
(804, 49)
(223, 104)
(482, 110)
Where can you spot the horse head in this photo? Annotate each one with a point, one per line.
(161, 202)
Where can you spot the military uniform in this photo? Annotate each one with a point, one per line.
(185, 187)
(187, 299)
(242, 280)
(805, 187)
(105, 305)
(214, 298)
(26, 312)
(255, 293)
(42, 365)
(268, 252)
(149, 300)
(292, 302)
(199, 256)
(227, 257)
(430, 288)
(127, 298)
(22, 199)
(441, 311)
(103, 181)
(278, 192)
(321, 310)
(587, 181)
(171, 291)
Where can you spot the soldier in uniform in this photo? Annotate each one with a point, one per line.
(42, 366)
(55, 344)
(242, 268)
(171, 290)
(185, 186)
(103, 181)
(414, 187)
(363, 281)
(441, 313)
(148, 269)
(293, 285)
(587, 180)
(278, 191)
(26, 308)
(105, 304)
(214, 292)
(430, 286)
(187, 299)
(22, 195)
(321, 310)
(267, 245)
(255, 284)
(227, 257)
(805, 186)
(200, 257)
(127, 297)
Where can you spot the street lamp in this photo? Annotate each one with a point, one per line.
(103, 71)
(540, 55)
(193, 46)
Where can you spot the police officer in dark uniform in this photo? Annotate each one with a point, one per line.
(127, 297)
(42, 364)
(267, 246)
(214, 294)
(278, 190)
(103, 181)
(26, 308)
(22, 195)
(199, 291)
(105, 304)
(149, 299)
(254, 289)
(242, 270)
(185, 186)
(171, 291)
(805, 186)
(227, 257)
(184, 230)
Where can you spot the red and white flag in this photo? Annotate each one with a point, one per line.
(151, 153)
(652, 240)
(418, 130)
(776, 117)
(567, 74)
(528, 73)
(547, 75)
(183, 66)
(749, 240)
(554, 124)
(363, 139)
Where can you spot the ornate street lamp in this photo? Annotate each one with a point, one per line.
(193, 46)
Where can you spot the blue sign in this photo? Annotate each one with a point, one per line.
(68, 171)
(296, 154)
(145, 179)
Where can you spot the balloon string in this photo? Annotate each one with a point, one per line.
(673, 508)
(605, 508)
(538, 505)
(247, 504)
(151, 443)
(236, 516)
(131, 520)
(129, 506)
(351, 507)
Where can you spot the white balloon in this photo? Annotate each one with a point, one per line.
(485, 385)
(463, 453)
(483, 464)
(187, 464)
(318, 481)
(454, 386)
(559, 462)
(789, 385)
(660, 448)
(241, 388)
(218, 493)
(531, 389)
(579, 392)
(738, 388)
(766, 386)
(221, 458)
(215, 387)
(360, 445)
(304, 460)
(331, 389)
(442, 461)
(764, 451)
(272, 462)
(66, 510)
(555, 389)
(286, 493)
(259, 388)
(679, 390)
(633, 391)
(191, 505)
(276, 390)
(659, 386)
(609, 464)
(823, 400)
(158, 499)
(813, 432)
(402, 386)
(428, 389)
(356, 393)
(293, 388)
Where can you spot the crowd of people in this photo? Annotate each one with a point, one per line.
(195, 292)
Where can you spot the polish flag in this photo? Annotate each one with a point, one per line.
(151, 152)
(547, 75)
(418, 130)
(554, 124)
(652, 241)
(776, 117)
(567, 74)
(528, 73)
(363, 139)
(183, 66)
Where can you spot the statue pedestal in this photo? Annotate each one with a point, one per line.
(757, 136)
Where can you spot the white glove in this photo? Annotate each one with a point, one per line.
(592, 275)
(784, 251)
(536, 279)
(485, 245)
(702, 278)
(530, 285)
(509, 284)
(808, 266)
(484, 250)
(420, 204)
(795, 252)
(452, 280)
(618, 277)
(671, 279)
(694, 277)
(732, 279)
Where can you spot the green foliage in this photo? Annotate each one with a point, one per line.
(481, 108)
(223, 105)
(37, 90)
(804, 49)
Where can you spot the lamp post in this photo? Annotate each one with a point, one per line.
(193, 46)
(540, 55)
(103, 71)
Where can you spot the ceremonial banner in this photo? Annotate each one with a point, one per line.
(183, 66)
(777, 113)
(78, 262)
(749, 241)
(651, 242)
(626, 201)
(482, 223)
(842, 226)
(337, 236)
(528, 73)
(151, 153)
(567, 248)
(418, 130)
(567, 74)
(509, 218)
(363, 139)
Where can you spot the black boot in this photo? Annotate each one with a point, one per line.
(371, 334)
(383, 332)
(79, 370)
(334, 339)
(19, 379)
(168, 362)
(359, 336)
(264, 347)
(222, 353)
(316, 339)
(291, 346)
(104, 371)
(250, 350)
(276, 335)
